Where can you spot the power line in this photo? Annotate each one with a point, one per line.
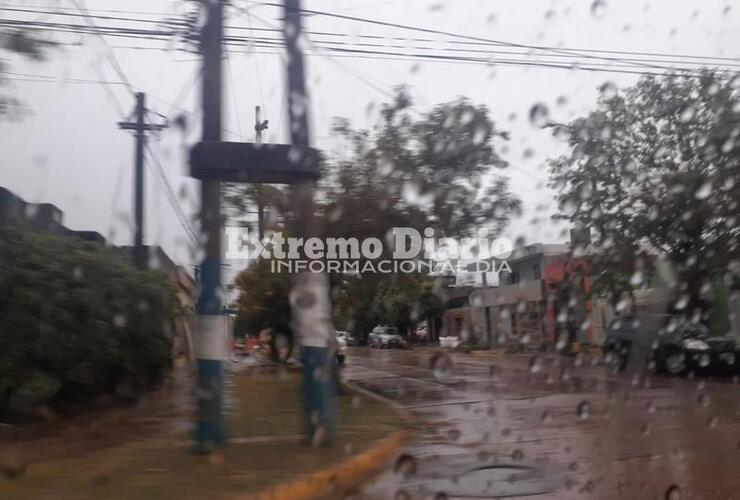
(88, 15)
(256, 59)
(170, 195)
(364, 79)
(441, 32)
(164, 35)
(80, 4)
(553, 51)
(230, 73)
(571, 65)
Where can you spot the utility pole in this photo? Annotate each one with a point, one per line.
(259, 126)
(309, 298)
(211, 427)
(140, 127)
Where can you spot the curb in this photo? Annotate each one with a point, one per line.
(345, 477)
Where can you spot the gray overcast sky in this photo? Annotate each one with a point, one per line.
(71, 153)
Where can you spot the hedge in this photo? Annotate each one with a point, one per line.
(77, 321)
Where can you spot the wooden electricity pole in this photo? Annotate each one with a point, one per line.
(140, 128)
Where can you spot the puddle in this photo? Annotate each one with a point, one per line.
(501, 480)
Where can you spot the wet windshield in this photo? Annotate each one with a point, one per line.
(372, 249)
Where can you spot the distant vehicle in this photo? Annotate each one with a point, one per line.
(449, 342)
(341, 345)
(675, 345)
(385, 337)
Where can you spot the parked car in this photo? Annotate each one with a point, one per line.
(675, 345)
(449, 342)
(385, 337)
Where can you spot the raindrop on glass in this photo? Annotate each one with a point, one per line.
(673, 493)
(535, 365)
(405, 465)
(598, 9)
(538, 115)
(608, 90)
(119, 320)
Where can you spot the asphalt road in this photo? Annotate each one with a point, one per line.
(544, 426)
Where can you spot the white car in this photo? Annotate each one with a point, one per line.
(449, 342)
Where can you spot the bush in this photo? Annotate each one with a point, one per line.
(76, 321)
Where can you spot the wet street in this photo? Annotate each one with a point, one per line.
(543, 426)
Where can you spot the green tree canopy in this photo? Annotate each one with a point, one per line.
(655, 170)
(438, 169)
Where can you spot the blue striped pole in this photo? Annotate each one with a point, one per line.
(210, 430)
(310, 305)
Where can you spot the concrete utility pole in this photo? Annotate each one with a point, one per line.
(211, 428)
(309, 297)
(140, 128)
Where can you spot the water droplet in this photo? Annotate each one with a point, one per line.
(535, 365)
(119, 320)
(539, 115)
(319, 437)
(405, 465)
(704, 191)
(687, 113)
(608, 90)
(704, 360)
(402, 495)
(598, 9)
(441, 365)
(682, 302)
(673, 493)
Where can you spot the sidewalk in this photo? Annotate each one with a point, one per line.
(265, 454)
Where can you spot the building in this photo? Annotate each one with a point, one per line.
(48, 218)
(42, 217)
(516, 307)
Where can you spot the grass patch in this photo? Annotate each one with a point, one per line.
(160, 467)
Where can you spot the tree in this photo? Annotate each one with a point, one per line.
(19, 42)
(415, 170)
(655, 169)
(77, 320)
(432, 170)
(435, 169)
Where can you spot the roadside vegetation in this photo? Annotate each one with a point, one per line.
(77, 322)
